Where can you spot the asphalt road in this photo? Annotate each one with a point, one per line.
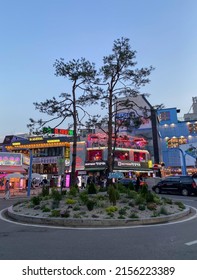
(175, 241)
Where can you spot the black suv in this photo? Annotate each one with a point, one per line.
(185, 185)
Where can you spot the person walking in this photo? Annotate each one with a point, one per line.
(7, 190)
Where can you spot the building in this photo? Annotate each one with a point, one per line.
(177, 138)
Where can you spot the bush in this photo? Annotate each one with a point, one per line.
(132, 194)
(111, 209)
(90, 204)
(45, 190)
(113, 195)
(70, 201)
(64, 213)
(141, 207)
(149, 197)
(163, 211)
(55, 213)
(92, 188)
(144, 190)
(55, 194)
(36, 200)
(180, 204)
(83, 197)
(46, 209)
(122, 212)
(139, 199)
(152, 206)
(74, 190)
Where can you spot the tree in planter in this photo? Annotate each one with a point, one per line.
(82, 75)
(119, 81)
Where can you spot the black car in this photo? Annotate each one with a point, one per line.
(184, 185)
(127, 181)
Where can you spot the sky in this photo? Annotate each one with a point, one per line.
(34, 33)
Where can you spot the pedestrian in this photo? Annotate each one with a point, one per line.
(7, 190)
(137, 183)
(83, 182)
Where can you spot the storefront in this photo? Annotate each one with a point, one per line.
(13, 167)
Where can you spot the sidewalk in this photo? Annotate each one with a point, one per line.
(20, 193)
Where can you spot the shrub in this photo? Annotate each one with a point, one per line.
(141, 207)
(122, 211)
(163, 211)
(45, 190)
(70, 201)
(74, 190)
(90, 204)
(83, 197)
(36, 200)
(64, 213)
(139, 199)
(111, 209)
(167, 200)
(92, 188)
(144, 190)
(133, 215)
(149, 197)
(55, 194)
(113, 195)
(55, 213)
(46, 209)
(121, 188)
(180, 204)
(151, 206)
(132, 194)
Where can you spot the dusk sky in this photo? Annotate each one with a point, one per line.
(34, 33)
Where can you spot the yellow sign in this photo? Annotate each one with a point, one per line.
(16, 143)
(35, 138)
(53, 141)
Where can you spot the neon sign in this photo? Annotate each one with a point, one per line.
(50, 130)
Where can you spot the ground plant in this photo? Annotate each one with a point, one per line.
(111, 204)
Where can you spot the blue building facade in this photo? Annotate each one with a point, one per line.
(176, 135)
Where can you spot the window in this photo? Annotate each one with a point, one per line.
(121, 155)
(139, 156)
(94, 155)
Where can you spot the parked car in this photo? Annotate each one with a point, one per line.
(126, 181)
(184, 185)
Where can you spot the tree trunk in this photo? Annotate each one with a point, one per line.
(74, 151)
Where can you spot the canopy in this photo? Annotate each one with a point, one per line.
(14, 175)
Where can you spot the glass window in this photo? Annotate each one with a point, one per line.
(94, 155)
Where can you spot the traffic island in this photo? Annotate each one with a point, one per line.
(94, 222)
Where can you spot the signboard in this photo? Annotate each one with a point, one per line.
(95, 165)
(131, 165)
(51, 130)
(12, 159)
(116, 175)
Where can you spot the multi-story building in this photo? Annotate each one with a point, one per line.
(178, 140)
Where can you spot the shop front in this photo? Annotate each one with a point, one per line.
(13, 168)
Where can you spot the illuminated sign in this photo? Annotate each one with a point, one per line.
(16, 143)
(53, 141)
(35, 138)
(10, 159)
(50, 130)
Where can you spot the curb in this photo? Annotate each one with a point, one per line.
(68, 222)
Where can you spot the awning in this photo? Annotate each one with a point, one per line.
(12, 169)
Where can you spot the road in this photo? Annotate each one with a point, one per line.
(175, 241)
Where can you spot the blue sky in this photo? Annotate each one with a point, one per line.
(34, 33)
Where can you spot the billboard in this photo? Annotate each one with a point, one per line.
(11, 159)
